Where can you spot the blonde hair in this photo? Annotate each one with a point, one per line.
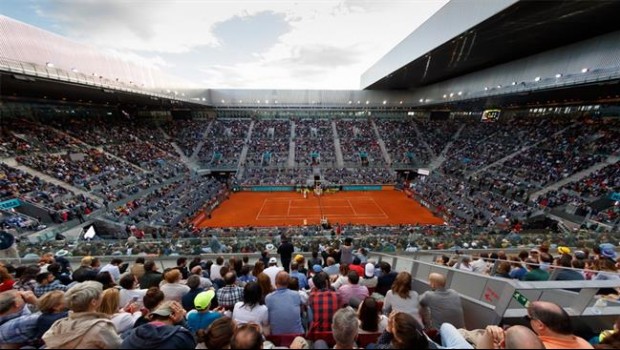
(110, 301)
(50, 300)
(79, 297)
(173, 276)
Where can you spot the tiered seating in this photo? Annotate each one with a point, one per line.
(269, 145)
(277, 176)
(402, 142)
(224, 144)
(186, 134)
(438, 134)
(314, 142)
(359, 143)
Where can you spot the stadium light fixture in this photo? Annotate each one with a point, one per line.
(350, 101)
(445, 96)
(421, 101)
(74, 70)
(223, 101)
(204, 99)
(537, 79)
(486, 88)
(514, 83)
(276, 101)
(499, 86)
(401, 102)
(460, 93)
(367, 102)
(384, 102)
(558, 76)
(358, 102)
(584, 70)
(49, 64)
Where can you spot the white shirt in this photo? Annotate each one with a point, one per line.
(127, 295)
(124, 321)
(272, 271)
(174, 291)
(113, 270)
(214, 272)
(258, 314)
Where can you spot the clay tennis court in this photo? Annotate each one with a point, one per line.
(257, 209)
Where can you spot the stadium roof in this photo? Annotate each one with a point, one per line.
(465, 36)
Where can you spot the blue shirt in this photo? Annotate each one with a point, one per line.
(201, 320)
(303, 281)
(21, 330)
(284, 307)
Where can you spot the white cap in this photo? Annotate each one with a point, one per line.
(273, 260)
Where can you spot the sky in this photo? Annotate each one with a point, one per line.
(251, 44)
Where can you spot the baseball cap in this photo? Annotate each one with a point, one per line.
(369, 270)
(609, 252)
(165, 309)
(580, 254)
(317, 268)
(299, 258)
(273, 260)
(203, 300)
(563, 250)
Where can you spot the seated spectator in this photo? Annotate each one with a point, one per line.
(151, 300)
(129, 290)
(315, 260)
(52, 307)
(515, 337)
(370, 318)
(163, 332)
(173, 289)
(535, 273)
(385, 280)
(440, 305)
(342, 278)
(113, 269)
(284, 307)
(151, 277)
(231, 293)
(6, 280)
(217, 335)
(215, 268)
(357, 267)
(124, 318)
(84, 328)
(247, 336)
(301, 278)
(352, 293)
(401, 298)
(331, 268)
(46, 282)
(26, 278)
(56, 270)
(193, 282)
(344, 329)
(202, 317)
(553, 326)
(402, 332)
(205, 283)
(265, 285)
(567, 274)
(106, 280)
(369, 279)
(18, 325)
(322, 304)
(137, 269)
(246, 275)
(272, 270)
(251, 310)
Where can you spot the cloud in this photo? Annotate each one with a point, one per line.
(261, 44)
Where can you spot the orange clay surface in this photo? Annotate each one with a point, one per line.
(387, 207)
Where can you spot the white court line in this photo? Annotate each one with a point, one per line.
(378, 206)
(328, 206)
(288, 211)
(351, 205)
(261, 208)
(280, 217)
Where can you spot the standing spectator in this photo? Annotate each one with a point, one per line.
(352, 293)
(151, 277)
(401, 297)
(84, 328)
(284, 307)
(251, 309)
(286, 251)
(346, 251)
(113, 269)
(315, 260)
(173, 289)
(440, 305)
(322, 304)
(163, 332)
(231, 293)
(264, 257)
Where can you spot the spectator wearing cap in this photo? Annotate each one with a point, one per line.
(286, 250)
(352, 293)
(301, 277)
(202, 317)
(314, 260)
(151, 277)
(113, 269)
(231, 293)
(534, 272)
(163, 332)
(272, 270)
(85, 328)
(301, 264)
(284, 307)
(46, 282)
(18, 325)
(85, 272)
(251, 310)
(608, 270)
(369, 279)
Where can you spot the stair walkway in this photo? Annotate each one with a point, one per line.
(337, 149)
(438, 160)
(13, 163)
(421, 139)
(575, 177)
(201, 143)
(386, 154)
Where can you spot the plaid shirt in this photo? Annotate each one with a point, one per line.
(324, 305)
(39, 290)
(27, 286)
(228, 296)
(20, 330)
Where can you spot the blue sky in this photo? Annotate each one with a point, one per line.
(314, 44)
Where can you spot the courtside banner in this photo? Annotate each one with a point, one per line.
(362, 188)
(272, 188)
(11, 203)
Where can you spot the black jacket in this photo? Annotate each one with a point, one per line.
(149, 336)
